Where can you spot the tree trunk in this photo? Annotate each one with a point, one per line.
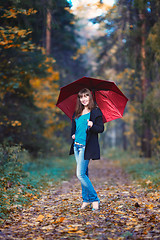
(143, 57)
(124, 136)
(48, 30)
(146, 132)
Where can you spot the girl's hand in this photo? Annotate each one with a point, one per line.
(90, 123)
(73, 136)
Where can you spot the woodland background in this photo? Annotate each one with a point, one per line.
(46, 44)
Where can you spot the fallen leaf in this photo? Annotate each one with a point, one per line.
(40, 218)
(59, 220)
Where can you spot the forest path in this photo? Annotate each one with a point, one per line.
(127, 211)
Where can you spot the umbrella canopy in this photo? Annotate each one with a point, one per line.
(107, 95)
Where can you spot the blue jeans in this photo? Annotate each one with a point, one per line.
(88, 192)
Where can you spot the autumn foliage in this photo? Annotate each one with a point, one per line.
(29, 85)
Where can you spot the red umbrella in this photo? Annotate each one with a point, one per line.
(107, 95)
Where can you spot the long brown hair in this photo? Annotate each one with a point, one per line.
(79, 105)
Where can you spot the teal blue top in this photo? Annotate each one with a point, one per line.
(81, 127)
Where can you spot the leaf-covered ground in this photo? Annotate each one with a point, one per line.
(127, 211)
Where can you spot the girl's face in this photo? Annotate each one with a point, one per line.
(84, 99)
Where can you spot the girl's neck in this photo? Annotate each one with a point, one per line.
(85, 110)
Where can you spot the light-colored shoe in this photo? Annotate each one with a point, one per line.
(84, 205)
(95, 205)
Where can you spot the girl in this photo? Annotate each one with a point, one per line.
(87, 122)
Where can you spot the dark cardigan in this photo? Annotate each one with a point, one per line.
(92, 150)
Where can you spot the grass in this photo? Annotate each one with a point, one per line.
(53, 168)
(144, 170)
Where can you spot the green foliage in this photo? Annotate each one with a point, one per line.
(154, 40)
(20, 121)
(61, 145)
(14, 191)
(145, 171)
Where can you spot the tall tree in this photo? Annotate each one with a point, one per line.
(126, 49)
(48, 28)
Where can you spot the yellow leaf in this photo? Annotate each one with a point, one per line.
(150, 206)
(40, 218)
(80, 232)
(59, 220)
(71, 229)
(88, 223)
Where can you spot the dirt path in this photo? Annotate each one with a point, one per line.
(127, 211)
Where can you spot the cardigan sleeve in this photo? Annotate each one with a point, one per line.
(98, 125)
(73, 128)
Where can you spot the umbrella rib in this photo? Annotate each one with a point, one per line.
(111, 101)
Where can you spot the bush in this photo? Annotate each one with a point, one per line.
(22, 177)
(14, 191)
